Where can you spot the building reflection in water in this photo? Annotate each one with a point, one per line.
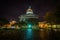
(44, 34)
(28, 35)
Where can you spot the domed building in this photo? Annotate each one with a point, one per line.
(29, 14)
(29, 17)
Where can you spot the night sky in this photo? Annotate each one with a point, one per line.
(11, 9)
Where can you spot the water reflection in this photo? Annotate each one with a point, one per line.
(28, 35)
(44, 34)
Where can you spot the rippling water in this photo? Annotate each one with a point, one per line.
(29, 34)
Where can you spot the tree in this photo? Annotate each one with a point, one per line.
(53, 17)
(50, 17)
(57, 15)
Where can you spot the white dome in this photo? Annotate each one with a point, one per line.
(29, 10)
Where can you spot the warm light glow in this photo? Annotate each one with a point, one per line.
(53, 26)
(46, 25)
(12, 22)
(43, 25)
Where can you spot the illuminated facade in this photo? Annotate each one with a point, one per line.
(29, 18)
(29, 14)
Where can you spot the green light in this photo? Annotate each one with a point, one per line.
(29, 25)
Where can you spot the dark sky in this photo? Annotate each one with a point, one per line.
(11, 9)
